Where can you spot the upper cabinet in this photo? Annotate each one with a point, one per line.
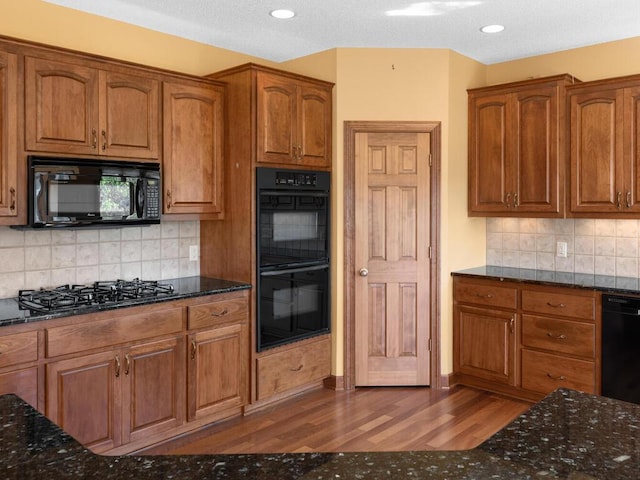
(9, 172)
(294, 121)
(193, 148)
(516, 148)
(79, 109)
(605, 148)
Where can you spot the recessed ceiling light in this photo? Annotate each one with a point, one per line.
(492, 28)
(282, 13)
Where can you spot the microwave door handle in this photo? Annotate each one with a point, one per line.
(138, 199)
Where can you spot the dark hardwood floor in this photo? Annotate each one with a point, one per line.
(366, 419)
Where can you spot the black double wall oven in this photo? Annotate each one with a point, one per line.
(292, 235)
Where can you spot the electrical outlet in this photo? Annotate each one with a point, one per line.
(193, 253)
(561, 249)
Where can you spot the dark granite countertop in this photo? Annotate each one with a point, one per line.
(548, 277)
(567, 435)
(185, 287)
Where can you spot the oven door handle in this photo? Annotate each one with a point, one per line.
(295, 193)
(272, 273)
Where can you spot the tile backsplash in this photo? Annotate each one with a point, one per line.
(49, 258)
(594, 246)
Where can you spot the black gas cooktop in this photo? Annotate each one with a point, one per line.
(70, 297)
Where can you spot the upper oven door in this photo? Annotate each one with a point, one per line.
(293, 227)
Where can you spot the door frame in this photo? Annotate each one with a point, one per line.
(351, 128)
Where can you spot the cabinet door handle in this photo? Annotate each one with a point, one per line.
(628, 199)
(117, 365)
(619, 200)
(508, 200)
(556, 305)
(104, 140)
(94, 138)
(297, 369)
(168, 199)
(194, 349)
(12, 206)
(299, 152)
(511, 323)
(556, 377)
(562, 336)
(127, 364)
(220, 314)
(515, 200)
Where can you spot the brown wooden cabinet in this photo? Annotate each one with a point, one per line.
(193, 148)
(605, 151)
(10, 201)
(525, 340)
(112, 398)
(484, 336)
(218, 366)
(293, 121)
(18, 368)
(516, 148)
(74, 107)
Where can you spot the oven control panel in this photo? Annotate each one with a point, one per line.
(296, 179)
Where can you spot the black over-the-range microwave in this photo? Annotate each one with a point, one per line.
(71, 192)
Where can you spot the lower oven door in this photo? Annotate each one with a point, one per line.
(292, 304)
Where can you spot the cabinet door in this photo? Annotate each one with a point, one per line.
(83, 397)
(484, 344)
(314, 127)
(61, 107)
(596, 151)
(536, 171)
(129, 115)
(192, 151)
(153, 390)
(23, 383)
(8, 133)
(490, 187)
(276, 120)
(632, 148)
(218, 370)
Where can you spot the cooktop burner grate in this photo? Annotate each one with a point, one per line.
(69, 297)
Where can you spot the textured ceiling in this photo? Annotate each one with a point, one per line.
(533, 27)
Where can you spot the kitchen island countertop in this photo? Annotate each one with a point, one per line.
(567, 435)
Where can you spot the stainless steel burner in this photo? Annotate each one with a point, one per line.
(69, 297)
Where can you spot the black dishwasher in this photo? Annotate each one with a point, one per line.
(621, 347)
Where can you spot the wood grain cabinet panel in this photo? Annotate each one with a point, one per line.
(487, 294)
(18, 348)
(516, 149)
(561, 336)
(22, 382)
(12, 193)
(193, 148)
(544, 372)
(294, 121)
(72, 107)
(561, 304)
(605, 156)
(218, 312)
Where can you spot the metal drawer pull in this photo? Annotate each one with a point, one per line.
(220, 314)
(562, 336)
(488, 295)
(117, 365)
(297, 369)
(556, 305)
(559, 377)
(127, 365)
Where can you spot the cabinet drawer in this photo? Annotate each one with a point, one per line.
(292, 368)
(486, 294)
(222, 311)
(563, 304)
(562, 336)
(112, 331)
(544, 372)
(18, 348)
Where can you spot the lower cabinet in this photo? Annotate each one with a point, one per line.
(107, 399)
(218, 370)
(523, 339)
(23, 382)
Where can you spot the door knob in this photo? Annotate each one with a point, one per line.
(364, 272)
